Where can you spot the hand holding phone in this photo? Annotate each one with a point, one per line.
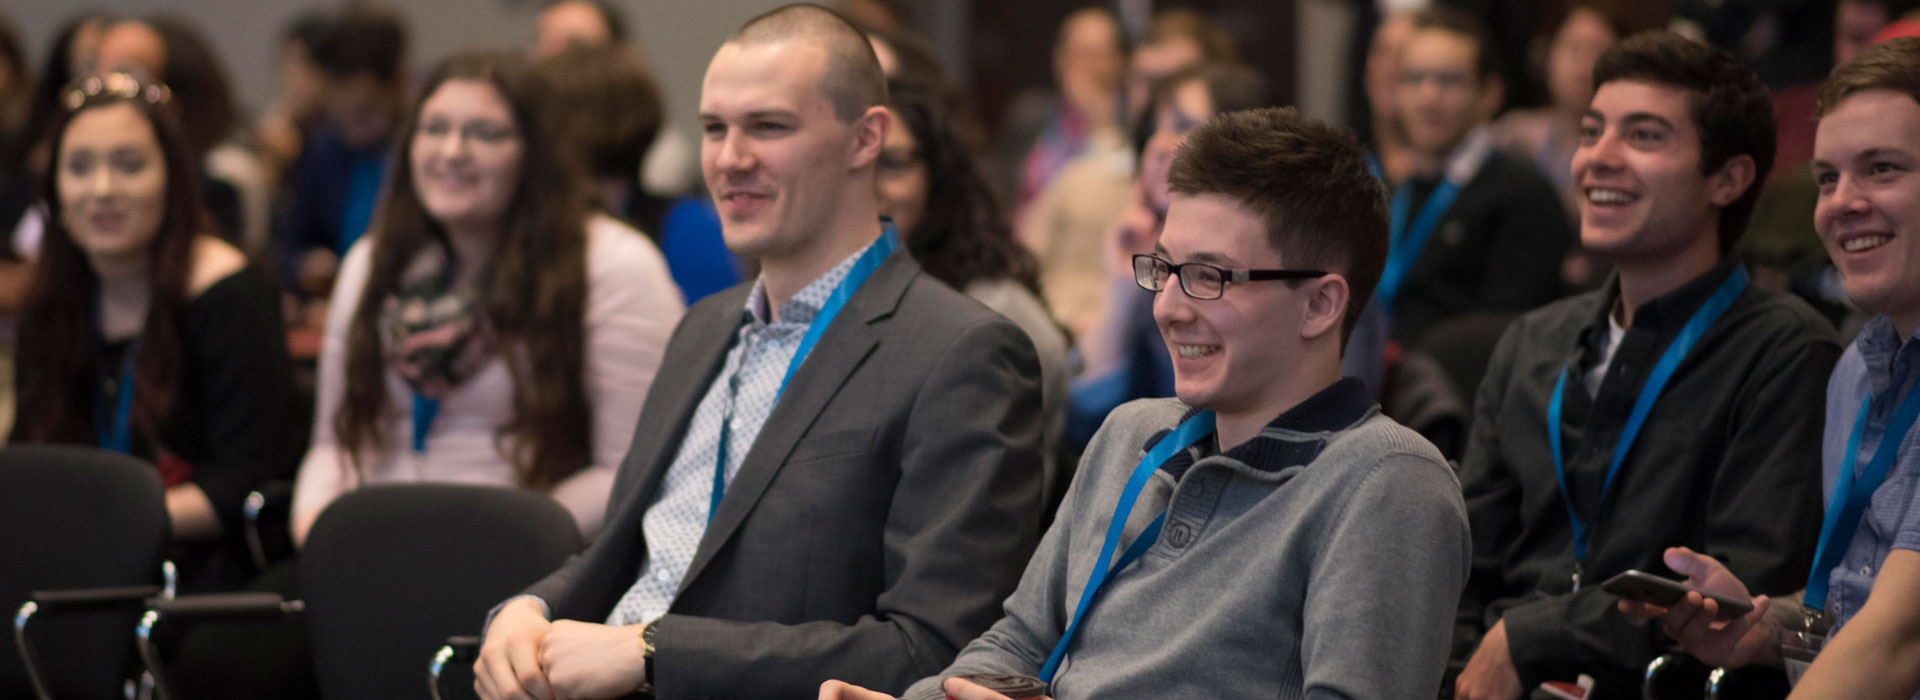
(1647, 588)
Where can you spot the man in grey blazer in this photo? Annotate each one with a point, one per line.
(860, 515)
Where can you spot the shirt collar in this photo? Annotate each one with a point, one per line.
(1337, 407)
(1670, 311)
(807, 303)
(1880, 343)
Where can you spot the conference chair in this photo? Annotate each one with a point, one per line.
(387, 575)
(82, 539)
(1682, 677)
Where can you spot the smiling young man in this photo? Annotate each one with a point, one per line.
(1866, 158)
(1473, 229)
(785, 515)
(1281, 538)
(1667, 407)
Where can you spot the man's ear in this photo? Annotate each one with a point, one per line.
(869, 136)
(1326, 306)
(1732, 180)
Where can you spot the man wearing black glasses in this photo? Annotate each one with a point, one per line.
(1269, 533)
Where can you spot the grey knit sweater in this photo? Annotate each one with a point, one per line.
(1328, 568)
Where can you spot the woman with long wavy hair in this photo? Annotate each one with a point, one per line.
(143, 332)
(487, 329)
(937, 195)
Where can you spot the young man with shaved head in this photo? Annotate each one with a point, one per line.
(840, 474)
(1667, 407)
(1268, 534)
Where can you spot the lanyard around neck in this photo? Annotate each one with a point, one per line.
(1404, 244)
(1676, 351)
(1190, 431)
(114, 430)
(863, 267)
(1851, 495)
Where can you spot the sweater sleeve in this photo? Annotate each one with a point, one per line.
(1385, 583)
(632, 308)
(242, 380)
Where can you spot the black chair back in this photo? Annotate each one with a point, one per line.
(73, 518)
(389, 572)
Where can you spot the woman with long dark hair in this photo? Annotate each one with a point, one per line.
(937, 194)
(142, 331)
(487, 328)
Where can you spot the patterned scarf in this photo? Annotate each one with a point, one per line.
(436, 334)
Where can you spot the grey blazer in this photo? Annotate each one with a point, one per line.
(888, 506)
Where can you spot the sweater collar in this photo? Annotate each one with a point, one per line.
(1293, 438)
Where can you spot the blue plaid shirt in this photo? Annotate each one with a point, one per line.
(1878, 359)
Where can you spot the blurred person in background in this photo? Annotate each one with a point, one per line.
(1044, 131)
(1066, 224)
(283, 127)
(1547, 135)
(1387, 147)
(169, 49)
(954, 224)
(1473, 229)
(607, 110)
(145, 333)
(331, 191)
(567, 23)
(488, 329)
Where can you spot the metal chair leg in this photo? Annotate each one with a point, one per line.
(433, 671)
(27, 654)
(1715, 681)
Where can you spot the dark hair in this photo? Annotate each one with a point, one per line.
(533, 291)
(1893, 64)
(963, 234)
(610, 17)
(852, 80)
(202, 97)
(306, 29)
(1462, 25)
(1731, 108)
(606, 106)
(365, 40)
(56, 73)
(1308, 181)
(58, 342)
(1216, 44)
(1231, 87)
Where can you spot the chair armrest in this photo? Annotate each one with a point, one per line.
(85, 599)
(459, 652)
(267, 531)
(215, 607)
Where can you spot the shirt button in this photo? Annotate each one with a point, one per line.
(1866, 571)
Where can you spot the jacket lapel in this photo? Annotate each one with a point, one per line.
(840, 351)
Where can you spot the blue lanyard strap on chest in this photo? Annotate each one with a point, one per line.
(863, 267)
(1851, 495)
(115, 431)
(1404, 244)
(1190, 431)
(1670, 360)
(113, 427)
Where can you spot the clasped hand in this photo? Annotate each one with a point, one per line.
(526, 657)
(956, 688)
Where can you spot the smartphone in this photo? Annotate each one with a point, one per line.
(1014, 687)
(1643, 587)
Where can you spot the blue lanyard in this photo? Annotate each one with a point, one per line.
(424, 411)
(1190, 431)
(1851, 496)
(863, 268)
(1404, 244)
(116, 433)
(1649, 392)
